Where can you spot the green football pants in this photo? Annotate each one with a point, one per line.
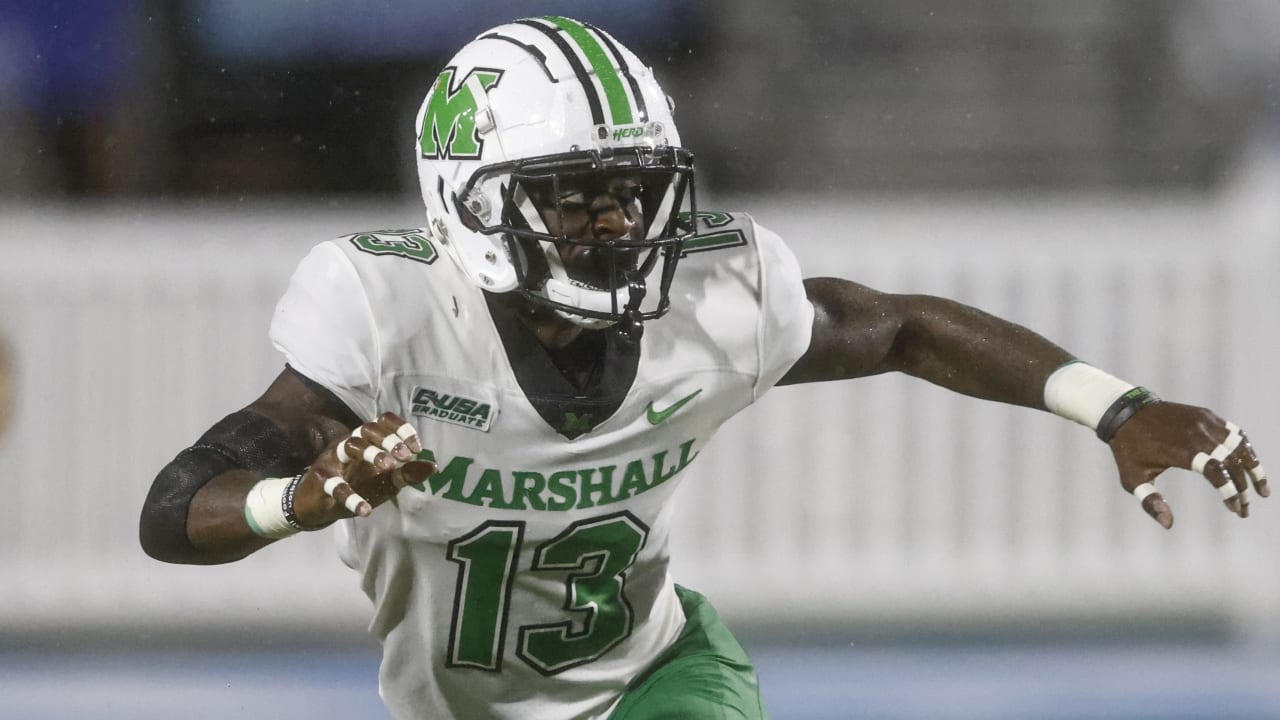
(704, 675)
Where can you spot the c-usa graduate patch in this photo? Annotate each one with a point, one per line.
(468, 412)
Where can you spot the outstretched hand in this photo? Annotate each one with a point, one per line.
(1165, 435)
(360, 471)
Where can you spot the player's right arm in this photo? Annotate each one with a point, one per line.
(196, 513)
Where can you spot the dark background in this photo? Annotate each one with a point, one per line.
(203, 98)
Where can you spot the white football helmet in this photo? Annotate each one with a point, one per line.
(525, 122)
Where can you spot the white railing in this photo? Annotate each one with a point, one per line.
(884, 498)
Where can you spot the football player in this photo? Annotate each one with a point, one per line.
(498, 408)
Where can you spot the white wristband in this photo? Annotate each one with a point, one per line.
(264, 508)
(1082, 393)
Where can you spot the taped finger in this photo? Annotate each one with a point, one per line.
(1234, 436)
(375, 442)
(1233, 497)
(1199, 462)
(410, 437)
(1220, 451)
(347, 454)
(1240, 505)
(1202, 459)
(1246, 461)
(1229, 491)
(1258, 474)
(1237, 447)
(406, 431)
(337, 488)
(1154, 505)
(1260, 485)
(1143, 491)
(371, 454)
(1215, 472)
(353, 502)
(358, 448)
(331, 485)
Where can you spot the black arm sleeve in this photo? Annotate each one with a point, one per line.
(242, 440)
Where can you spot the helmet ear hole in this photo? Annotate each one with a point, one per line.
(477, 207)
(468, 218)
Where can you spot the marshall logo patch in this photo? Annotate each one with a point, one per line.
(455, 409)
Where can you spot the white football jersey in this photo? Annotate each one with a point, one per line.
(529, 577)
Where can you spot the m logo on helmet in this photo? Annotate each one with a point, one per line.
(449, 121)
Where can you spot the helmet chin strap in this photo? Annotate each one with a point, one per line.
(636, 289)
(559, 289)
(586, 323)
(629, 298)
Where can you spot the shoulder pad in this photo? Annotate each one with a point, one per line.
(409, 244)
(716, 230)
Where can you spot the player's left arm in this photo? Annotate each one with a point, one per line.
(858, 332)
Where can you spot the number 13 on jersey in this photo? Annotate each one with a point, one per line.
(595, 554)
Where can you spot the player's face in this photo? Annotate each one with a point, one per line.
(596, 208)
(590, 210)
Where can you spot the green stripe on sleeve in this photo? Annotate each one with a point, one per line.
(619, 108)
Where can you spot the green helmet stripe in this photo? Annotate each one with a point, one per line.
(614, 92)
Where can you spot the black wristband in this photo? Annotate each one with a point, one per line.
(286, 502)
(1122, 409)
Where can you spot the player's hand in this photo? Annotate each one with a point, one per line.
(359, 471)
(1165, 435)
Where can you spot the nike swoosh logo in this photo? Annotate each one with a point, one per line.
(657, 417)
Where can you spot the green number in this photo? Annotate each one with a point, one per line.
(596, 554)
(487, 556)
(704, 240)
(401, 243)
(713, 241)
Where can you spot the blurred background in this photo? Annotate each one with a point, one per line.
(1107, 173)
